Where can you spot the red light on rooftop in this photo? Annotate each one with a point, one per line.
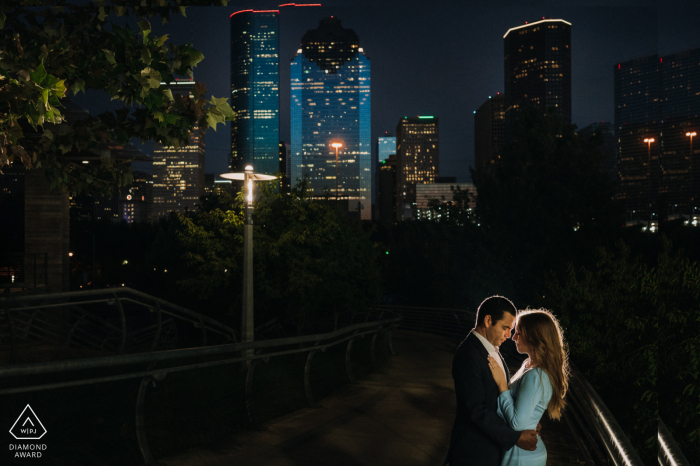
(661, 60)
(618, 66)
(254, 11)
(242, 11)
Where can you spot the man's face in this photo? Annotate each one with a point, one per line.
(497, 333)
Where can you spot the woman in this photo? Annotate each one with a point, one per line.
(540, 384)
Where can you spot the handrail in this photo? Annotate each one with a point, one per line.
(111, 292)
(670, 453)
(109, 320)
(169, 355)
(598, 417)
(309, 343)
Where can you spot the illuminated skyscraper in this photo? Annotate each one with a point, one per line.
(657, 98)
(679, 156)
(330, 103)
(178, 173)
(537, 69)
(637, 89)
(489, 130)
(255, 90)
(418, 160)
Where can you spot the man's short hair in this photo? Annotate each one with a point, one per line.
(494, 306)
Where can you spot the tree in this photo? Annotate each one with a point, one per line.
(546, 201)
(311, 263)
(49, 51)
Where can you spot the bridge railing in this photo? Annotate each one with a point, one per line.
(670, 453)
(601, 438)
(101, 322)
(156, 365)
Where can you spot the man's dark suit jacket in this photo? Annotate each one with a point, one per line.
(479, 436)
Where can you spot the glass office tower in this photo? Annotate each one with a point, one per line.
(537, 65)
(330, 103)
(255, 90)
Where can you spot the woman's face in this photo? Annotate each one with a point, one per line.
(520, 343)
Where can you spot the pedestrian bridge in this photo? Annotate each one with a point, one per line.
(116, 359)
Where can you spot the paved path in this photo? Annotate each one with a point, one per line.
(401, 415)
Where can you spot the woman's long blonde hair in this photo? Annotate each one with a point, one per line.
(542, 332)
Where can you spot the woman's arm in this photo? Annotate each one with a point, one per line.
(518, 413)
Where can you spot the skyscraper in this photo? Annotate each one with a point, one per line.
(178, 173)
(330, 104)
(489, 130)
(418, 160)
(656, 98)
(637, 90)
(537, 69)
(386, 191)
(679, 189)
(255, 90)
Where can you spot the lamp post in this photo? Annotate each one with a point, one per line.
(337, 146)
(247, 317)
(649, 141)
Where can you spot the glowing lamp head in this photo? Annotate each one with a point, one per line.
(691, 134)
(337, 145)
(249, 168)
(649, 140)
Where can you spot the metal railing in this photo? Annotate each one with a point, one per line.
(601, 438)
(19, 270)
(175, 360)
(101, 322)
(670, 453)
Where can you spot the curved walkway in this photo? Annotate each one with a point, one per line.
(401, 415)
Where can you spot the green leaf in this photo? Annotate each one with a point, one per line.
(145, 27)
(2, 20)
(146, 56)
(110, 56)
(168, 94)
(211, 119)
(39, 74)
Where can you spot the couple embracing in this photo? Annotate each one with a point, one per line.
(497, 422)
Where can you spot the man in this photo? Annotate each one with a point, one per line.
(479, 436)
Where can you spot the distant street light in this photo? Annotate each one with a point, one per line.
(337, 146)
(649, 141)
(247, 315)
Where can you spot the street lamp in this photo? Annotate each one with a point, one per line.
(247, 321)
(337, 146)
(649, 141)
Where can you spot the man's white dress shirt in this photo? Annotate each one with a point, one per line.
(492, 350)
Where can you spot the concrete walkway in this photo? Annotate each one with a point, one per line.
(401, 415)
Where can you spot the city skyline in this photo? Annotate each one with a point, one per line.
(445, 62)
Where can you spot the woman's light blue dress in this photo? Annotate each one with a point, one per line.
(522, 406)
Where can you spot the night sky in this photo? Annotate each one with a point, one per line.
(444, 58)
